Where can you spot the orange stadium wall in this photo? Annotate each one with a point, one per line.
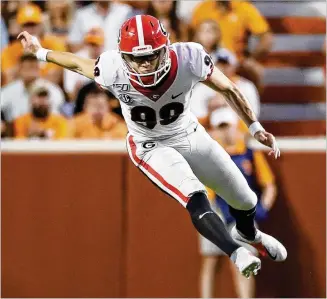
(92, 225)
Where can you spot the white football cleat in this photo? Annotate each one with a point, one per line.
(265, 244)
(246, 262)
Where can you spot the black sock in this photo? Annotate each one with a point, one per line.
(208, 223)
(244, 222)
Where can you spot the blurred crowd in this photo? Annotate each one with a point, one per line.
(41, 100)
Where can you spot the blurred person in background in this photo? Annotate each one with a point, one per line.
(103, 14)
(15, 96)
(185, 9)
(4, 126)
(9, 9)
(91, 88)
(227, 62)
(40, 122)
(254, 167)
(140, 6)
(60, 14)
(208, 34)
(165, 11)
(8, 16)
(97, 121)
(93, 47)
(204, 100)
(4, 34)
(236, 20)
(29, 17)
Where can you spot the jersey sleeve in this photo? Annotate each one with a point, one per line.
(105, 69)
(200, 62)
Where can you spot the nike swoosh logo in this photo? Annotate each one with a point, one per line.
(201, 216)
(174, 97)
(271, 256)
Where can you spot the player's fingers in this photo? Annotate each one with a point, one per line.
(277, 152)
(27, 37)
(275, 148)
(24, 35)
(20, 35)
(23, 43)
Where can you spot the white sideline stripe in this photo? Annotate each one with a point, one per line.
(294, 42)
(64, 146)
(152, 178)
(140, 30)
(294, 76)
(293, 112)
(304, 144)
(283, 9)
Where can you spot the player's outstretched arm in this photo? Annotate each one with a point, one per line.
(236, 99)
(70, 61)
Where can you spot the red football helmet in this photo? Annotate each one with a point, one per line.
(140, 36)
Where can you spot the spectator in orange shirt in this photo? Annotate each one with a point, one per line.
(260, 178)
(97, 121)
(236, 19)
(40, 123)
(29, 17)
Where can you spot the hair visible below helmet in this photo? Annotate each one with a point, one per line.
(144, 35)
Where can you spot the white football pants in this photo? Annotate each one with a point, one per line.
(181, 164)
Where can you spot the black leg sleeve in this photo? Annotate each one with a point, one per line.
(208, 223)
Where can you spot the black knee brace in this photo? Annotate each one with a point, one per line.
(198, 204)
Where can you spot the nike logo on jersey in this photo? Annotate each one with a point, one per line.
(201, 216)
(174, 97)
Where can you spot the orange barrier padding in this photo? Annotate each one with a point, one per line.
(92, 225)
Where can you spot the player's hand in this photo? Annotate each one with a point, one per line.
(30, 43)
(269, 140)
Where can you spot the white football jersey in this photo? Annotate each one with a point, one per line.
(161, 111)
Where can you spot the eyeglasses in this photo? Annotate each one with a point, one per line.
(140, 59)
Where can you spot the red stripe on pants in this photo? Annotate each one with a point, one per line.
(153, 172)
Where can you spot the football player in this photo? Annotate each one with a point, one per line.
(153, 81)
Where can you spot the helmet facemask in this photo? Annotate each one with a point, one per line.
(152, 78)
